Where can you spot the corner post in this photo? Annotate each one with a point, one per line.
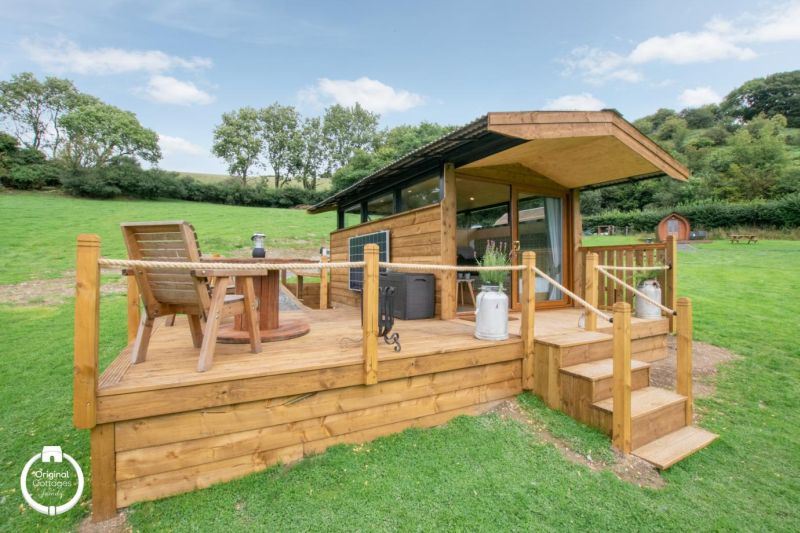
(369, 298)
(87, 331)
(684, 363)
(323, 285)
(528, 318)
(621, 416)
(671, 290)
(591, 278)
(134, 312)
(447, 279)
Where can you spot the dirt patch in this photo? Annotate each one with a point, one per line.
(118, 524)
(705, 360)
(53, 291)
(627, 468)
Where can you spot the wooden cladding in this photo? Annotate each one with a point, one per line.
(609, 292)
(414, 237)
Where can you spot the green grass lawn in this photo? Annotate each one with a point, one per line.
(39, 229)
(482, 473)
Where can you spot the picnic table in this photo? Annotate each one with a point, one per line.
(736, 239)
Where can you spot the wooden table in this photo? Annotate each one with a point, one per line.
(268, 289)
(735, 239)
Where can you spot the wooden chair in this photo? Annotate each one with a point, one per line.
(169, 292)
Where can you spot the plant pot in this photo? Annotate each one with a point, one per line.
(491, 314)
(643, 308)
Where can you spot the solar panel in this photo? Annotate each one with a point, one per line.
(356, 245)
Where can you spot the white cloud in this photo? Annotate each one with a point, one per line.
(169, 90)
(178, 145)
(699, 96)
(719, 39)
(575, 102)
(371, 94)
(63, 55)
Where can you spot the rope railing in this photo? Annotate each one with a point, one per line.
(248, 267)
(574, 296)
(636, 291)
(450, 268)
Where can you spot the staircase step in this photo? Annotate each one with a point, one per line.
(597, 370)
(669, 449)
(645, 401)
(655, 412)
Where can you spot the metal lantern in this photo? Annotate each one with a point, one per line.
(258, 245)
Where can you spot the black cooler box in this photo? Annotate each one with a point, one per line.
(414, 294)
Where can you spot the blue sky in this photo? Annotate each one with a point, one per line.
(180, 64)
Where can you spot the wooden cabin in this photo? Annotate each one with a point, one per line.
(674, 224)
(159, 427)
(514, 178)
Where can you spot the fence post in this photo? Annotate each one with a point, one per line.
(87, 332)
(369, 298)
(528, 318)
(684, 364)
(591, 278)
(323, 285)
(621, 417)
(134, 312)
(671, 296)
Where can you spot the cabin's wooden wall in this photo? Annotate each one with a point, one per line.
(414, 237)
(159, 456)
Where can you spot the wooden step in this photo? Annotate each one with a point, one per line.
(676, 446)
(655, 412)
(599, 376)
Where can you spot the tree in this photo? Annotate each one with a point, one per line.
(701, 117)
(34, 108)
(309, 154)
(347, 130)
(279, 130)
(778, 94)
(97, 132)
(239, 142)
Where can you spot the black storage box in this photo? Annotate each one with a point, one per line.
(414, 294)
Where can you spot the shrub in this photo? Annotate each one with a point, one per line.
(29, 177)
(778, 213)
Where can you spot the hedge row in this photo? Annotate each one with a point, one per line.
(124, 177)
(780, 213)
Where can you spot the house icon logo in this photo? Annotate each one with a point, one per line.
(46, 477)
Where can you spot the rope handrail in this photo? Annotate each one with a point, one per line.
(635, 268)
(637, 292)
(574, 296)
(450, 268)
(249, 267)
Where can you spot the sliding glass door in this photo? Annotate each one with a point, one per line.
(540, 227)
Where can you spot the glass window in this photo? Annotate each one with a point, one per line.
(380, 207)
(540, 221)
(352, 215)
(420, 194)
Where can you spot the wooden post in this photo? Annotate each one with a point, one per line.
(87, 331)
(528, 318)
(591, 278)
(621, 417)
(671, 295)
(323, 285)
(447, 280)
(369, 301)
(104, 484)
(684, 364)
(134, 312)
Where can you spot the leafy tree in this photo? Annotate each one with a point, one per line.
(778, 94)
(97, 132)
(239, 142)
(309, 153)
(700, 117)
(347, 130)
(34, 108)
(280, 131)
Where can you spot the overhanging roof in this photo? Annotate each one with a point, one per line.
(574, 149)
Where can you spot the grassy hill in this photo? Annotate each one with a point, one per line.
(39, 229)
